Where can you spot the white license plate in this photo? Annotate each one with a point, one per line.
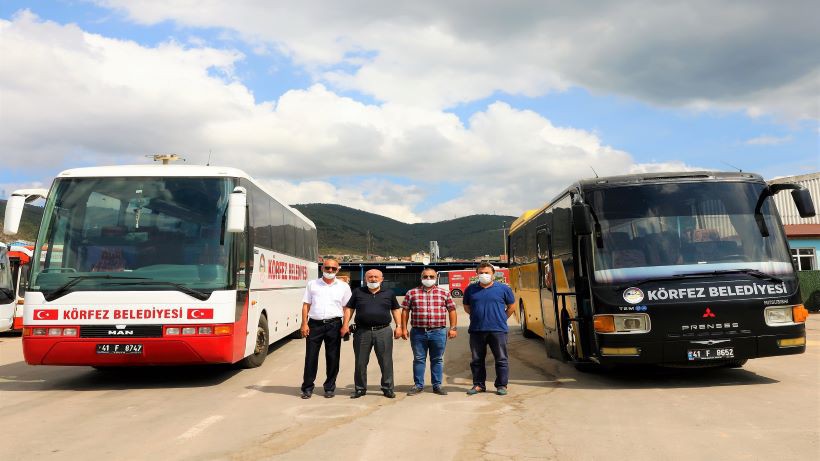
(711, 354)
(119, 348)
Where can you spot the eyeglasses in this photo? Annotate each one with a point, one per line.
(428, 277)
(330, 268)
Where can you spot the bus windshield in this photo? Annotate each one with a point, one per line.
(665, 230)
(131, 233)
(6, 287)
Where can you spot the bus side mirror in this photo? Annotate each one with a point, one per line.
(16, 204)
(237, 209)
(14, 213)
(803, 202)
(581, 218)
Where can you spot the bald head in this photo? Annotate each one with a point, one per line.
(374, 273)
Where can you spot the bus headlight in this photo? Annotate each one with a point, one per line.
(622, 323)
(776, 316)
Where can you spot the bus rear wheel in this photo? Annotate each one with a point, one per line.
(522, 320)
(260, 351)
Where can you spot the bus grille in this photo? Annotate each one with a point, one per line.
(709, 334)
(111, 331)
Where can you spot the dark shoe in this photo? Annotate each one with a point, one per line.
(329, 394)
(502, 390)
(439, 391)
(357, 394)
(307, 395)
(475, 390)
(389, 394)
(415, 390)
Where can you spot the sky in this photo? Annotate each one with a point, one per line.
(421, 111)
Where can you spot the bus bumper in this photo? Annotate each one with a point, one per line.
(680, 351)
(155, 351)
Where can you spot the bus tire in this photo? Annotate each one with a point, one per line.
(522, 320)
(736, 363)
(456, 293)
(260, 351)
(570, 338)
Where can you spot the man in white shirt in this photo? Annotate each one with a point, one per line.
(322, 311)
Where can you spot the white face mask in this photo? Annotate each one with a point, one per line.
(485, 279)
(373, 285)
(329, 275)
(428, 282)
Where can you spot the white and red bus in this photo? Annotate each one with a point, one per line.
(162, 264)
(20, 262)
(7, 301)
(456, 281)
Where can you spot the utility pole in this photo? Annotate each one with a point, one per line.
(504, 236)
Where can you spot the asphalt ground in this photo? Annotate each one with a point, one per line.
(769, 409)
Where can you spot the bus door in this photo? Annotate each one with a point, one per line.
(549, 308)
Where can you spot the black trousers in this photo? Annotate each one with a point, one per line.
(327, 333)
(365, 341)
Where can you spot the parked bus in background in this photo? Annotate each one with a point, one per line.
(20, 262)
(456, 282)
(665, 268)
(162, 264)
(7, 301)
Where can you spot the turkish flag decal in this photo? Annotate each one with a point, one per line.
(197, 314)
(45, 314)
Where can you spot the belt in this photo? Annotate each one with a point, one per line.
(373, 328)
(430, 328)
(334, 319)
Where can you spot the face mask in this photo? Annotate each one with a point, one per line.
(428, 282)
(373, 285)
(329, 275)
(485, 279)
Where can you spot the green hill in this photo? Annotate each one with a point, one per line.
(343, 230)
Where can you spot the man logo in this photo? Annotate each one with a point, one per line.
(262, 267)
(708, 313)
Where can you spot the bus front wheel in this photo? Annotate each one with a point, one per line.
(260, 350)
(570, 338)
(456, 293)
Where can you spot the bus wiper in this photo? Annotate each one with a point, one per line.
(64, 289)
(753, 272)
(188, 291)
(699, 275)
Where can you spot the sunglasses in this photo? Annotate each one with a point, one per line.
(428, 277)
(330, 268)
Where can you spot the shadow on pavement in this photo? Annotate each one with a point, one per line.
(19, 376)
(22, 377)
(529, 366)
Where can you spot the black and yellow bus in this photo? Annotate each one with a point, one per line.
(662, 268)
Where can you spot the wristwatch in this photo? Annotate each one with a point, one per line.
(453, 329)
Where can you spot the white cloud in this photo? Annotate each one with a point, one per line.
(71, 98)
(754, 56)
(768, 140)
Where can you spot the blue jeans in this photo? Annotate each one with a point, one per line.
(497, 340)
(421, 341)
